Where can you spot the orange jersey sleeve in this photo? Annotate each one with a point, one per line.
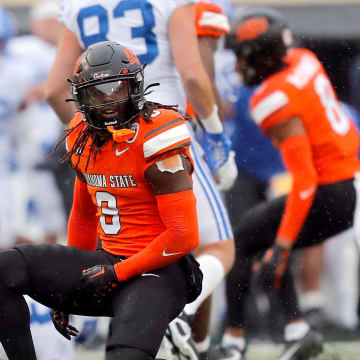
(275, 102)
(169, 136)
(178, 213)
(210, 20)
(297, 156)
(82, 226)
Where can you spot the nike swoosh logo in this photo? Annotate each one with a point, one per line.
(306, 193)
(97, 274)
(170, 254)
(150, 274)
(118, 153)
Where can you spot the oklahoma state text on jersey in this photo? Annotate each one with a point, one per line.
(127, 208)
(303, 89)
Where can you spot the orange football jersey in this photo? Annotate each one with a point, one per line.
(303, 89)
(210, 20)
(127, 211)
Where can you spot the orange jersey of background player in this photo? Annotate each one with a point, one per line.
(303, 89)
(210, 20)
(127, 211)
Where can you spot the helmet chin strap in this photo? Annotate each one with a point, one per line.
(121, 134)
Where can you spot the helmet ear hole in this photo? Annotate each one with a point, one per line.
(98, 82)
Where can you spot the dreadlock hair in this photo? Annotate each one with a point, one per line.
(90, 132)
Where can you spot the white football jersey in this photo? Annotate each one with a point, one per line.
(36, 52)
(14, 75)
(38, 121)
(142, 26)
(15, 78)
(36, 216)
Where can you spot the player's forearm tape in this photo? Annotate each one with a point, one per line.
(297, 156)
(212, 123)
(82, 227)
(178, 214)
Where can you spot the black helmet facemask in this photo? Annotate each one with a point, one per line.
(110, 103)
(108, 85)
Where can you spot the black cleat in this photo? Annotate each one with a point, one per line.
(305, 348)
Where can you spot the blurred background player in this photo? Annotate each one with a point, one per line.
(157, 41)
(326, 293)
(261, 177)
(10, 102)
(40, 207)
(257, 160)
(319, 148)
(21, 133)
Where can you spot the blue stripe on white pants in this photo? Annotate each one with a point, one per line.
(214, 222)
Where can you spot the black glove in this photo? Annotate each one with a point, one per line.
(61, 323)
(270, 268)
(99, 280)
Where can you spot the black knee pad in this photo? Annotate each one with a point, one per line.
(13, 271)
(126, 353)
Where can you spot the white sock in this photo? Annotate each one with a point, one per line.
(213, 271)
(229, 340)
(296, 330)
(311, 299)
(204, 345)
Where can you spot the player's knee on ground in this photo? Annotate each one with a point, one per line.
(126, 353)
(13, 271)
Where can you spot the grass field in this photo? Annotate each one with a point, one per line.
(333, 351)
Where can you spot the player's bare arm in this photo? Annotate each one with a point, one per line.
(182, 36)
(200, 93)
(170, 175)
(56, 87)
(207, 48)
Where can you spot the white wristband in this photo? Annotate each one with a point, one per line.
(212, 123)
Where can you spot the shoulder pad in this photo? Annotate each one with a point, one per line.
(167, 132)
(265, 106)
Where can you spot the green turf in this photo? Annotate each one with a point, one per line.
(333, 351)
(89, 355)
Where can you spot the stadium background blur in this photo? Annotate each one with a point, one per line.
(331, 29)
